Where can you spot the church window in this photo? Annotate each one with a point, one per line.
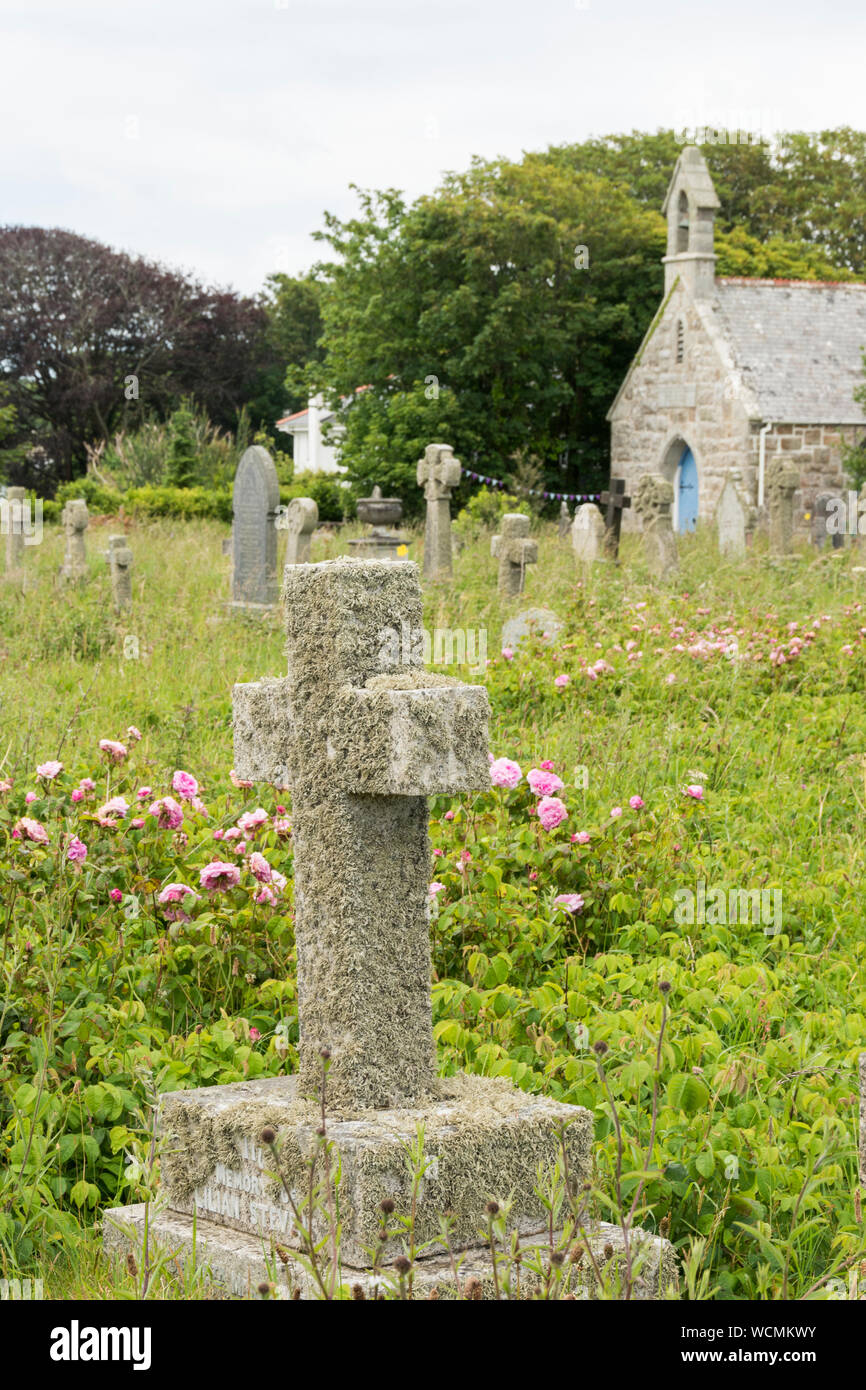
(683, 223)
(681, 340)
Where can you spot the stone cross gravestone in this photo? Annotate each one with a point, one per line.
(302, 518)
(588, 535)
(828, 507)
(654, 498)
(13, 517)
(514, 551)
(119, 558)
(438, 473)
(734, 517)
(564, 525)
(255, 501)
(614, 501)
(75, 519)
(781, 482)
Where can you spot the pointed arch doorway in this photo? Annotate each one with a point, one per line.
(686, 492)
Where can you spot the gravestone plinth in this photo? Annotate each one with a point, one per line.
(119, 558)
(301, 520)
(588, 536)
(362, 737)
(514, 551)
(75, 520)
(255, 500)
(438, 472)
(654, 499)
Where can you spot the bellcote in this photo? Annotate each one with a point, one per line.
(690, 207)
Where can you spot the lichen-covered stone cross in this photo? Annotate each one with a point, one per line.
(514, 551)
(438, 473)
(362, 742)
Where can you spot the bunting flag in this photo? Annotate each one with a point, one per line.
(533, 492)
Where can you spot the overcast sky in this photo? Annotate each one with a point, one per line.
(211, 134)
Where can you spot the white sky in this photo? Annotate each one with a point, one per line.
(211, 134)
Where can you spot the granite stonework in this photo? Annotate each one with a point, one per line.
(300, 521)
(438, 472)
(735, 517)
(514, 550)
(255, 500)
(119, 558)
(781, 486)
(738, 370)
(653, 507)
(75, 518)
(588, 536)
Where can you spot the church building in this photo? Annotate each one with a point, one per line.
(735, 372)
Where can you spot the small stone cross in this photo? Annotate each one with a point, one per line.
(119, 558)
(438, 473)
(363, 735)
(614, 501)
(514, 550)
(75, 519)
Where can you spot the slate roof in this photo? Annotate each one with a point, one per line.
(796, 345)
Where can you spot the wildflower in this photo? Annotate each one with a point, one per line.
(543, 783)
(218, 833)
(533, 875)
(117, 806)
(87, 784)
(49, 770)
(116, 896)
(278, 881)
(29, 798)
(184, 784)
(5, 786)
(133, 734)
(29, 829)
(546, 765)
(143, 793)
(76, 851)
(169, 815)
(508, 653)
(572, 902)
(581, 838)
(449, 815)
(198, 805)
(136, 823)
(551, 812)
(561, 681)
(636, 803)
(615, 812)
(116, 751)
(175, 893)
(505, 773)
(260, 867)
(695, 792)
(438, 853)
(435, 888)
(77, 794)
(218, 876)
(254, 1035)
(265, 896)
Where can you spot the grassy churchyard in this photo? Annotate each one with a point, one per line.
(671, 938)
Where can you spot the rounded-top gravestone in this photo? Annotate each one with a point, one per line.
(255, 501)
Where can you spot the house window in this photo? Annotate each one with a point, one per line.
(681, 340)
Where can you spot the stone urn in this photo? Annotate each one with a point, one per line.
(379, 511)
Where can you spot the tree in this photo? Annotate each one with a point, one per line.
(92, 340)
(292, 333)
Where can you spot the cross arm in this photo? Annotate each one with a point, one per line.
(262, 724)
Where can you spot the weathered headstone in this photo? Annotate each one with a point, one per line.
(614, 501)
(541, 623)
(75, 519)
(781, 482)
(255, 501)
(514, 551)
(828, 508)
(734, 517)
(119, 558)
(438, 473)
(588, 535)
(302, 518)
(654, 499)
(15, 500)
(363, 739)
(564, 525)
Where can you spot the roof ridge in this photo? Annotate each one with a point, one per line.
(810, 284)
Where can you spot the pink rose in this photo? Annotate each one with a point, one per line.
(136, 823)
(636, 803)
(30, 830)
(562, 681)
(505, 773)
(143, 793)
(581, 838)
(254, 1035)
(266, 896)
(449, 815)
(250, 821)
(117, 806)
(615, 812)
(133, 734)
(29, 798)
(218, 834)
(695, 792)
(217, 876)
(77, 794)
(260, 867)
(551, 812)
(282, 826)
(87, 784)
(435, 888)
(175, 893)
(49, 770)
(116, 896)
(169, 815)
(238, 781)
(543, 783)
(572, 902)
(546, 765)
(184, 784)
(76, 851)
(116, 751)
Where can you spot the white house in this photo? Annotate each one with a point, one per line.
(310, 452)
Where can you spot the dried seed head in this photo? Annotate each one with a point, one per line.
(492, 1208)
(264, 1290)
(325, 1054)
(402, 1265)
(600, 1047)
(472, 1290)
(358, 1294)
(665, 986)
(386, 1205)
(268, 1135)
(608, 1252)
(557, 1257)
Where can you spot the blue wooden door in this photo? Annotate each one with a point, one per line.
(687, 486)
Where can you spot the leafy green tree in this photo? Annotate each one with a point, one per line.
(292, 333)
(386, 432)
(183, 463)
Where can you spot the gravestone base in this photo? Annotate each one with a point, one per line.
(484, 1139)
(236, 1263)
(379, 545)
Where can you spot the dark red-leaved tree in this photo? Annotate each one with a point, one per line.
(92, 339)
